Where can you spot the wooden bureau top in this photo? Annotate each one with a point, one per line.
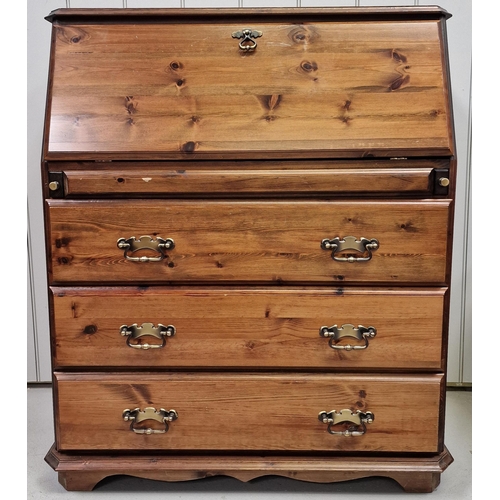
(171, 84)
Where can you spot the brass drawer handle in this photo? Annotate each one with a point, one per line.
(132, 245)
(363, 245)
(358, 419)
(335, 333)
(247, 44)
(135, 332)
(137, 416)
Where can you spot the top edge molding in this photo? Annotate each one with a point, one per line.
(358, 13)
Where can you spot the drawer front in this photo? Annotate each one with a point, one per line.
(231, 328)
(246, 412)
(318, 86)
(222, 241)
(398, 177)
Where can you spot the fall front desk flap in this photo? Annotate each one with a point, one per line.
(247, 85)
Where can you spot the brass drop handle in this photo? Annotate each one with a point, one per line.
(137, 416)
(356, 421)
(135, 331)
(338, 245)
(335, 333)
(132, 245)
(247, 44)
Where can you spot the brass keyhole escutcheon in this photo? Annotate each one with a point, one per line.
(248, 43)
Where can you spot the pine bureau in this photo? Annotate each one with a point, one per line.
(249, 217)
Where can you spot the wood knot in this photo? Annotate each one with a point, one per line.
(90, 329)
(303, 35)
(175, 65)
(71, 35)
(398, 57)
(130, 104)
(188, 147)
(399, 82)
(308, 66)
(270, 102)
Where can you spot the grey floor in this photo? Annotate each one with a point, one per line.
(456, 482)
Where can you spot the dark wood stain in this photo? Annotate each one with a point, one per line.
(62, 242)
(143, 391)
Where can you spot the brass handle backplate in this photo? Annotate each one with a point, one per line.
(137, 416)
(247, 44)
(132, 245)
(134, 332)
(342, 246)
(335, 333)
(356, 421)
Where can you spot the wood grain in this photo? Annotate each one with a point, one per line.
(220, 241)
(248, 182)
(247, 411)
(308, 89)
(248, 328)
(415, 474)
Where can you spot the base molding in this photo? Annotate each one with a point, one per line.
(83, 472)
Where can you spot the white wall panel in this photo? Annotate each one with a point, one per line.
(376, 3)
(211, 3)
(327, 3)
(38, 47)
(108, 4)
(32, 363)
(269, 3)
(459, 29)
(459, 35)
(152, 4)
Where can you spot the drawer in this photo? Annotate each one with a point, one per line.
(248, 241)
(317, 85)
(247, 412)
(173, 179)
(258, 328)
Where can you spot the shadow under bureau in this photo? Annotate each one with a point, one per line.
(248, 225)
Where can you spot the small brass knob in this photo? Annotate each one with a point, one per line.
(54, 186)
(444, 181)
